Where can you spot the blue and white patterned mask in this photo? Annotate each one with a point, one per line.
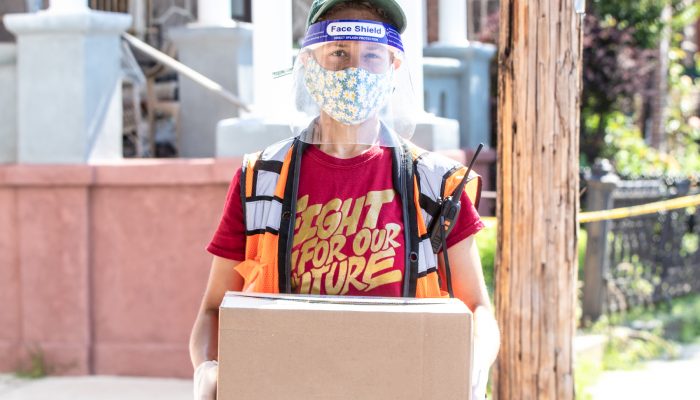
(350, 96)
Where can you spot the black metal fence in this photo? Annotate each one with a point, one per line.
(638, 260)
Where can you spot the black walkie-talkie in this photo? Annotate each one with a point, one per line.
(449, 210)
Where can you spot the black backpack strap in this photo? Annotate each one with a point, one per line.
(287, 220)
(242, 183)
(403, 175)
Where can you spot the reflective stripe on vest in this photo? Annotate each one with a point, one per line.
(263, 192)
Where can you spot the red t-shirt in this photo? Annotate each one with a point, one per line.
(348, 236)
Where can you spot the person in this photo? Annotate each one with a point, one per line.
(345, 206)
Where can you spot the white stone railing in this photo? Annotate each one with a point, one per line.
(186, 71)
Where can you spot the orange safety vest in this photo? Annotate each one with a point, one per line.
(269, 181)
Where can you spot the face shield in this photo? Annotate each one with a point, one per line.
(351, 85)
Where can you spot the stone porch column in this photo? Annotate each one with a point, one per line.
(68, 83)
(452, 15)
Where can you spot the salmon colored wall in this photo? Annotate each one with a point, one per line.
(102, 267)
(10, 329)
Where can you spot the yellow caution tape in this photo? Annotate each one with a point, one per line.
(626, 212)
(649, 208)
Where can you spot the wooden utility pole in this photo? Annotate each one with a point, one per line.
(539, 88)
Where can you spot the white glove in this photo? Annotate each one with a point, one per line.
(486, 341)
(480, 375)
(205, 377)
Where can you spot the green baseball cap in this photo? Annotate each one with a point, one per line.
(391, 7)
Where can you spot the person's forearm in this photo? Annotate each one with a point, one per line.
(486, 333)
(204, 338)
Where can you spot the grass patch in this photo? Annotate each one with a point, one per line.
(36, 365)
(629, 349)
(586, 374)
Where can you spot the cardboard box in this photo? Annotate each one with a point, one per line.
(333, 347)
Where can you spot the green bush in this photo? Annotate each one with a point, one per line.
(679, 318)
(582, 241)
(486, 242)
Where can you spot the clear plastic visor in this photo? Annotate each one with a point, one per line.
(353, 92)
(375, 58)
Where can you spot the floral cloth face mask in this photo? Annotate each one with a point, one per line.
(350, 96)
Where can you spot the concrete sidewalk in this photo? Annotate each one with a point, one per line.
(675, 379)
(93, 388)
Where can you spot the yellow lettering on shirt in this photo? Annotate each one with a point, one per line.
(329, 219)
(334, 285)
(355, 267)
(393, 230)
(323, 261)
(375, 200)
(336, 252)
(306, 229)
(349, 221)
(362, 241)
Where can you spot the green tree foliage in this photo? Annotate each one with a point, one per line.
(640, 17)
(625, 145)
(643, 17)
(620, 59)
(615, 70)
